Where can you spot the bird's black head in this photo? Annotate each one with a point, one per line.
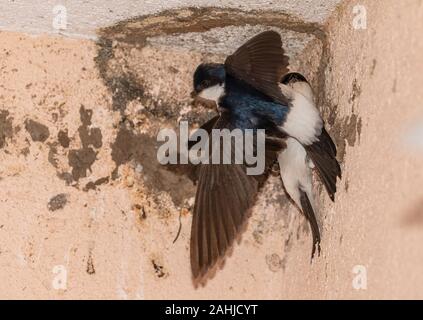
(293, 77)
(208, 75)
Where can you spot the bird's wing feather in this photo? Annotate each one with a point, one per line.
(224, 197)
(208, 126)
(261, 62)
(323, 154)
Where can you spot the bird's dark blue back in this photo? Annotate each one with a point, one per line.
(249, 108)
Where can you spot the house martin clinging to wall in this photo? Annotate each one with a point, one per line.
(253, 90)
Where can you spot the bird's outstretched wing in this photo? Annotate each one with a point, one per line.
(261, 62)
(225, 195)
(208, 126)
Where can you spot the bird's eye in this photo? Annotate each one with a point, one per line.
(205, 83)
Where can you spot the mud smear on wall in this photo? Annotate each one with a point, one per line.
(90, 263)
(79, 160)
(159, 269)
(57, 202)
(125, 87)
(37, 131)
(348, 129)
(6, 128)
(82, 159)
(92, 185)
(52, 154)
(63, 138)
(142, 148)
(344, 131)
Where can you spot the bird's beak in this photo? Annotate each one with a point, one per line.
(196, 99)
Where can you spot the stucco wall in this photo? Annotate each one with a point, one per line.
(374, 77)
(83, 200)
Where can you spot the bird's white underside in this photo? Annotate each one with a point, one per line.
(295, 168)
(303, 121)
(304, 125)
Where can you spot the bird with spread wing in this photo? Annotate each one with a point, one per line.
(253, 89)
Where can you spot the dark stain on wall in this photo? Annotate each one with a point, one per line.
(90, 263)
(57, 202)
(142, 148)
(158, 269)
(89, 136)
(82, 159)
(52, 154)
(373, 67)
(65, 176)
(25, 151)
(350, 129)
(37, 131)
(126, 87)
(6, 128)
(355, 92)
(92, 185)
(63, 138)
(344, 131)
(275, 262)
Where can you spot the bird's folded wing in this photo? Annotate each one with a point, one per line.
(323, 154)
(261, 62)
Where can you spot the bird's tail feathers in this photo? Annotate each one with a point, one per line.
(296, 177)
